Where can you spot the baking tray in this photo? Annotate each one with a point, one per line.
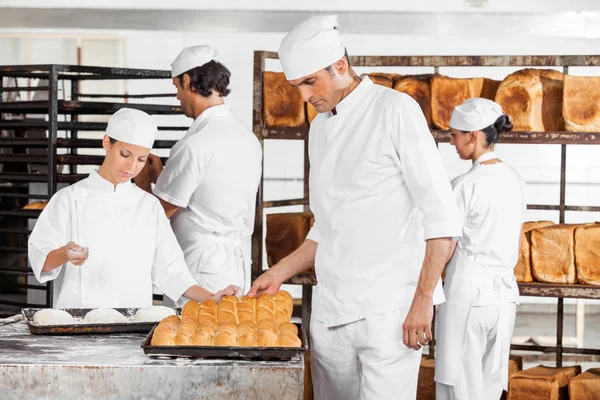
(75, 329)
(227, 352)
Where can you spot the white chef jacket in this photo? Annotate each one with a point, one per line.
(378, 190)
(491, 200)
(213, 174)
(131, 246)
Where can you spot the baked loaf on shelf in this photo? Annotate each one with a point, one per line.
(283, 105)
(523, 267)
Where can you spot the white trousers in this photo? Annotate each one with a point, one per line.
(365, 359)
(476, 380)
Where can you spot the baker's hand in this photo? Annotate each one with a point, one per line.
(269, 282)
(155, 167)
(230, 290)
(75, 254)
(416, 330)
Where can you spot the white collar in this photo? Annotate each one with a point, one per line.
(217, 111)
(354, 97)
(484, 157)
(98, 182)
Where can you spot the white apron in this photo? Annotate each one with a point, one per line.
(464, 279)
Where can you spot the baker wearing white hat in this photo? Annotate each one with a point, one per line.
(209, 185)
(380, 196)
(476, 322)
(104, 241)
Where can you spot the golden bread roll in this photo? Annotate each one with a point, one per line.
(265, 300)
(183, 340)
(226, 311)
(229, 326)
(288, 327)
(245, 312)
(208, 310)
(171, 319)
(267, 323)
(289, 340)
(224, 337)
(162, 339)
(205, 329)
(267, 338)
(165, 330)
(249, 325)
(248, 340)
(36, 205)
(246, 328)
(190, 310)
(231, 299)
(210, 323)
(202, 339)
(280, 316)
(284, 296)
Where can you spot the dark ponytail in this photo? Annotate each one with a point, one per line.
(502, 125)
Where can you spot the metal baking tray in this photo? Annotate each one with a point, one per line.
(233, 352)
(82, 328)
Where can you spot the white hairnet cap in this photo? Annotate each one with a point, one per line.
(192, 57)
(475, 114)
(312, 45)
(132, 126)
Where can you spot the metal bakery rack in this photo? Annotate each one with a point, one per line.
(563, 139)
(41, 145)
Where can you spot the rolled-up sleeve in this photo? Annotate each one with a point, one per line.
(181, 177)
(170, 273)
(424, 173)
(50, 233)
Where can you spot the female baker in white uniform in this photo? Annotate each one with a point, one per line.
(477, 320)
(104, 241)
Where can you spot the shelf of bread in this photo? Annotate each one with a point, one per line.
(546, 106)
(247, 322)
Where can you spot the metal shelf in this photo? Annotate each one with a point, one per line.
(538, 289)
(85, 107)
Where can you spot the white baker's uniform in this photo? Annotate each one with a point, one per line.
(378, 190)
(131, 246)
(213, 174)
(475, 323)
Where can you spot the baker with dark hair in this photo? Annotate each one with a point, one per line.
(208, 187)
(477, 319)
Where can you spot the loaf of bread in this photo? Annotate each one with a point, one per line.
(534, 99)
(447, 93)
(552, 255)
(311, 113)
(36, 205)
(419, 88)
(283, 105)
(382, 79)
(585, 386)
(515, 364)
(523, 267)
(285, 233)
(581, 103)
(248, 322)
(587, 254)
(541, 383)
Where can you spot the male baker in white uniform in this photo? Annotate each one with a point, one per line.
(209, 185)
(378, 189)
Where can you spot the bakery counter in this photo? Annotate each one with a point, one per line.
(115, 367)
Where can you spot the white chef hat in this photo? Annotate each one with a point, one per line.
(475, 114)
(132, 126)
(312, 45)
(192, 57)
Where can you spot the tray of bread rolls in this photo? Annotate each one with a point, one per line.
(248, 328)
(72, 321)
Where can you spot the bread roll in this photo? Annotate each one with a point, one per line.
(208, 310)
(587, 254)
(283, 301)
(245, 312)
(288, 340)
(246, 327)
(541, 383)
(447, 93)
(285, 233)
(585, 386)
(205, 329)
(226, 311)
(581, 103)
(163, 339)
(36, 205)
(288, 327)
(171, 319)
(534, 99)
(283, 104)
(419, 88)
(267, 338)
(248, 340)
(552, 255)
(229, 326)
(183, 339)
(190, 310)
(224, 337)
(202, 339)
(267, 323)
(208, 323)
(523, 268)
(187, 327)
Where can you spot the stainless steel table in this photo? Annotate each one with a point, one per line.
(115, 367)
